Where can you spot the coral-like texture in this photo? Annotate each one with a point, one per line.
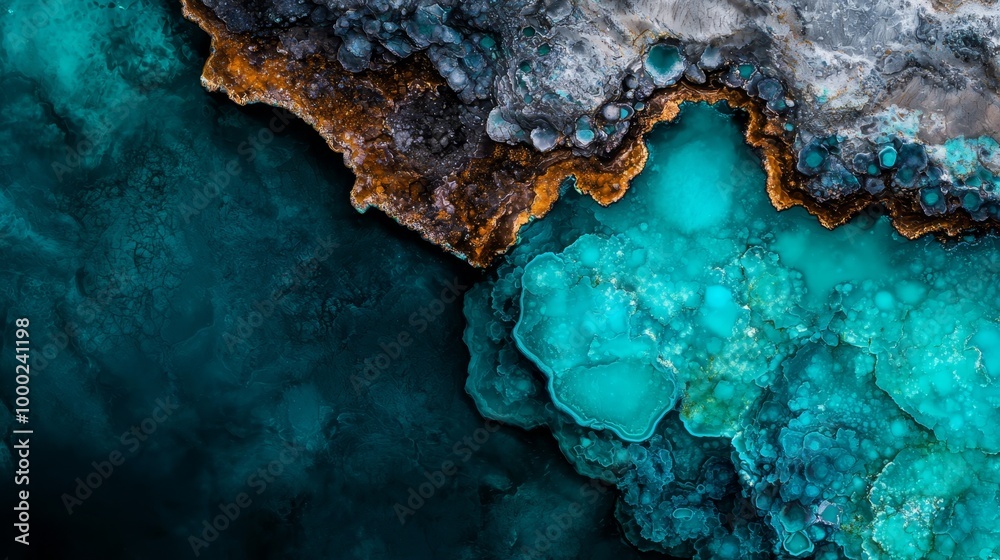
(752, 382)
(889, 101)
(170, 246)
(926, 505)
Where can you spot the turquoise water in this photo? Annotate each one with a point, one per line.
(752, 384)
(168, 244)
(850, 373)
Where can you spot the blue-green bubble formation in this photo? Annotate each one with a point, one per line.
(755, 385)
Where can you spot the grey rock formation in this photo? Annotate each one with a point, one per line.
(913, 80)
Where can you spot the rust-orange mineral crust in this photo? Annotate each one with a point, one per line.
(473, 201)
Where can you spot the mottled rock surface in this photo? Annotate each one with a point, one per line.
(756, 386)
(891, 101)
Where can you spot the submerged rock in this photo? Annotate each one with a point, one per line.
(756, 386)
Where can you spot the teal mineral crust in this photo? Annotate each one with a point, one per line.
(754, 384)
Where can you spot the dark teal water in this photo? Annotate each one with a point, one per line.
(193, 270)
(230, 362)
